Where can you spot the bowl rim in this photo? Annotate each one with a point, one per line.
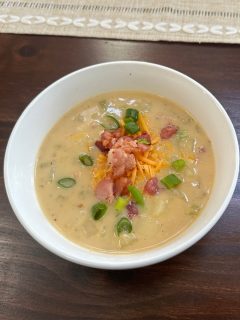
(146, 259)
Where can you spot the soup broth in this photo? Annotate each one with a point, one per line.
(141, 201)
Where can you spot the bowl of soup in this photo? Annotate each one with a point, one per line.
(121, 165)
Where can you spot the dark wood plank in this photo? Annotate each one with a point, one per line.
(201, 283)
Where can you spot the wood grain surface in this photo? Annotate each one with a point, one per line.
(201, 283)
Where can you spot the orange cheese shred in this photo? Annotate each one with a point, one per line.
(142, 123)
(147, 160)
(155, 140)
(134, 175)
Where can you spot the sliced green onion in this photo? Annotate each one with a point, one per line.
(182, 134)
(111, 123)
(143, 141)
(171, 181)
(124, 225)
(178, 165)
(98, 210)
(121, 204)
(66, 182)
(132, 113)
(126, 120)
(86, 160)
(131, 127)
(137, 195)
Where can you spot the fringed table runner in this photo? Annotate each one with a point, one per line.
(154, 20)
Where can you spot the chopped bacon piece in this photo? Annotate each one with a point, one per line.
(101, 147)
(130, 146)
(168, 131)
(126, 143)
(143, 147)
(132, 209)
(152, 186)
(120, 162)
(110, 138)
(104, 190)
(120, 186)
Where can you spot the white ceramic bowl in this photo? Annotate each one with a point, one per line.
(45, 110)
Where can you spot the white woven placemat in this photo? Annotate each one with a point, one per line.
(171, 20)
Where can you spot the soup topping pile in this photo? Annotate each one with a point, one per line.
(128, 156)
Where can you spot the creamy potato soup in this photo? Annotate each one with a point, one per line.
(124, 171)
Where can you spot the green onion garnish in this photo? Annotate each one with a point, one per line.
(143, 141)
(86, 160)
(126, 120)
(132, 113)
(182, 135)
(131, 127)
(124, 225)
(110, 123)
(98, 210)
(66, 182)
(178, 165)
(137, 195)
(121, 204)
(171, 181)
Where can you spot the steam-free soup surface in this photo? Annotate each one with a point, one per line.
(174, 135)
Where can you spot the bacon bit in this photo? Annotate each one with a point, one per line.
(120, 186)
(130, 145)
(127, 144)
(120, 162)
(101, 147)
(110, 138)
(104, 190)
(168, 131)
(132, 209)
(152, 186)
(143, 147)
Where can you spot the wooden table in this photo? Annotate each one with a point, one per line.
(201, 283)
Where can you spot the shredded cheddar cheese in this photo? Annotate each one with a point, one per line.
(134, 175)
(143, 123)
(147, 160)
(146, 154)
(151, 171)
(139, 167)
(100, 169)
(155, 139)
